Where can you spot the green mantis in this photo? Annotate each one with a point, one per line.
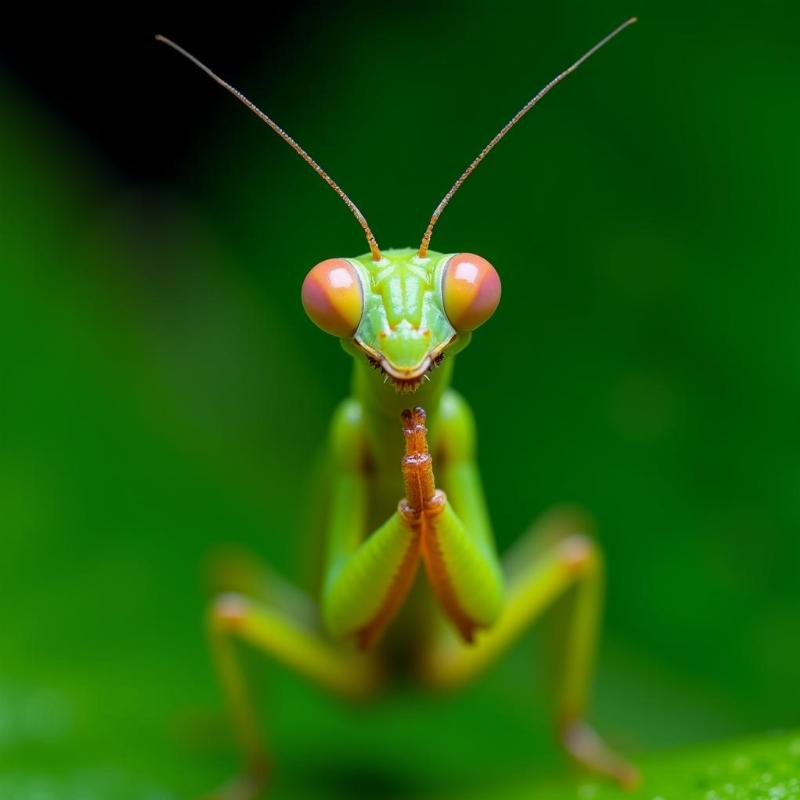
(409, 550)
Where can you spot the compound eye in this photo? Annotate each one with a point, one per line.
(470, 290)
(333, 298)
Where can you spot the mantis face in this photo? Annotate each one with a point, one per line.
(402, 311)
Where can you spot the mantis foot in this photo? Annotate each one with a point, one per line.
(247, 786)
(584, 745)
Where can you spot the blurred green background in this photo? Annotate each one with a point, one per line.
(162, 393)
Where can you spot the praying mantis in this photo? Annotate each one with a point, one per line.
(405, 501)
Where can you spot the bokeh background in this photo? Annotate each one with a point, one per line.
(161, 392)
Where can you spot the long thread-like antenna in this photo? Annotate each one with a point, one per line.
(362, 221)
(426, 239)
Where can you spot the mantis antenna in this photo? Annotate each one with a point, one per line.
(362, 221)
(426, 239)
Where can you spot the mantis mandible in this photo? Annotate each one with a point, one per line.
(402, 315)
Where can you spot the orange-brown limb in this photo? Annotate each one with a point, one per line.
(420, 501)
(421, 509)
(417, 463)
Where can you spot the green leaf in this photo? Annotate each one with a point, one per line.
(758, 768)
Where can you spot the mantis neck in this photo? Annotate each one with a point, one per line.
(382, 405)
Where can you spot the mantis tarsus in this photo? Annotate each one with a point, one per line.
(402, 315)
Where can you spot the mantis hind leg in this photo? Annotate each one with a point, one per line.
(553, 558)
(262, 611)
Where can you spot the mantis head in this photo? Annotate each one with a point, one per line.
(403, 311)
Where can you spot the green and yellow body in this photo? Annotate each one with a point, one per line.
(411, 576)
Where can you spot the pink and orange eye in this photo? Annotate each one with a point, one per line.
(333, 298)
(470, 290)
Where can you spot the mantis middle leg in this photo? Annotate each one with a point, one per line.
(289, 638)
(554, 558)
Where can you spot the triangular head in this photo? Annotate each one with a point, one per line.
(403, 312)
